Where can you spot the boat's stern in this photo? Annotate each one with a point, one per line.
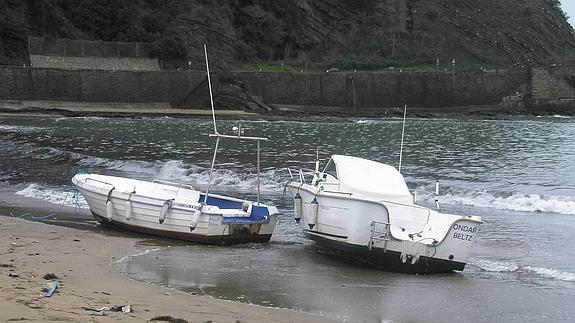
(459, 239)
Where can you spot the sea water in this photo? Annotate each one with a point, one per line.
(517, 174)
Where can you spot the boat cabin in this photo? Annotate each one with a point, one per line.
(366, 178)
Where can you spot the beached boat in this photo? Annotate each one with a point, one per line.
(179, 211)
(175, 211)
(364, 209)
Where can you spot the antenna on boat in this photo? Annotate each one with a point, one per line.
(316, 178)
(210, 87)
(214, 120)
(402, 136)
(218, 135)
(317, 161)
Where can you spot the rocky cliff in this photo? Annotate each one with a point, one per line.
(354, 34)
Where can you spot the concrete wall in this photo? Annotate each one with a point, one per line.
(553, 90)
(390, 89)
(546, 86)
(49, 46)
(98, 86)
(95, 63)
(188, 88)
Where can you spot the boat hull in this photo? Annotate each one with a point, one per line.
(387, 260)
(380, 234)
(224, 240)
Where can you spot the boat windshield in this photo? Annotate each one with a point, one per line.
(330, 169)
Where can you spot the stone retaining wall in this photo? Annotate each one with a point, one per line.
(95, 63)
(431, 90)
(386, 90)
(98, 86)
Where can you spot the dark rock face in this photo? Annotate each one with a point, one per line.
(233, 94)
(362, 34)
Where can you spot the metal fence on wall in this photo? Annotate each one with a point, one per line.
(86, 48)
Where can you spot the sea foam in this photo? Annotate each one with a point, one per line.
(65, 198)
(179, 171)
(495, 266)
(512, 202)
(551, 273)
(511, 267)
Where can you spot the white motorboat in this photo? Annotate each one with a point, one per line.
(177, 210)
(364, 209)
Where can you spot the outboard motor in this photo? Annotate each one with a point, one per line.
(297, 207)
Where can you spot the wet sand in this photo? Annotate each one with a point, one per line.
(82, 262)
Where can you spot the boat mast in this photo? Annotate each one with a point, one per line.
(214, 120)
(218, 136)
(402, 136)
(210, 88)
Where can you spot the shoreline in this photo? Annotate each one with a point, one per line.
(282, 112)
(82, 261)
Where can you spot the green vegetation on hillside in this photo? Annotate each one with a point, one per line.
(352, 34)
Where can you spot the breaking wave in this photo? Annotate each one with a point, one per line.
(552, 273)
(19, 129)
(223, 179)
(495, 266)
(512, 202)
(20, 150)
(65, 198)
(175, 170)
(510, 267)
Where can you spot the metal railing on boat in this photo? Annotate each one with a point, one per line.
(179, 185)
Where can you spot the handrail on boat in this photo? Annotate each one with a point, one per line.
(336, 192)
(180, 185)
(99, 181)
(409, 206)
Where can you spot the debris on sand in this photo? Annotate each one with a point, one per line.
(118, 308)
(50, 276)
(121, 308)
(51, 288)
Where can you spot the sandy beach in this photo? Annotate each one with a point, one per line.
(82, 263)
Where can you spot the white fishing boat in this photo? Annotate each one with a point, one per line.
(180, 211)
(364, 210)
(175, 210)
